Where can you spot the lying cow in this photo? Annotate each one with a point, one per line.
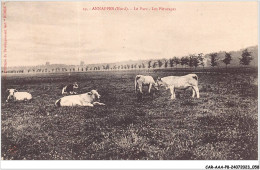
(141, 81)
(18, 96)
(86, 99)
(180, 82)
(70, 88)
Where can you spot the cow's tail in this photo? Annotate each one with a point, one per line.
(57, 103)
(136, 78)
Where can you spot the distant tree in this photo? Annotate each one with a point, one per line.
(201, 59)
(143, 66)
(107, 67)
(128, 66)
(160, 63)
(191, 60)
(246, 57)
(166, 63)
(149, 64)
(227, 59)
(154, 64)
(213, 59)
(176, 61)
(114, 67)
(195, 61)
(185, 61)
(171, 62)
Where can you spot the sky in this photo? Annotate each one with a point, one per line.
(64, 33)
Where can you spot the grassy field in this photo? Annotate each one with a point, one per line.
(221, 125)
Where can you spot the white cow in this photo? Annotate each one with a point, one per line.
(180, 82)
(18, 96)
(141, 81)
(86, 99)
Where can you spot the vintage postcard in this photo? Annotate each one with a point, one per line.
(130, 81)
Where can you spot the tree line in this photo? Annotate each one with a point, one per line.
(245, 58)
(191, 61)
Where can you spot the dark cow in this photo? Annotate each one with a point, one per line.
(70, 88)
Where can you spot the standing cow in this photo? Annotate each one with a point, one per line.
(180, 82)
(86, 99)
(141, 81)
(18, 96)
(70, 88)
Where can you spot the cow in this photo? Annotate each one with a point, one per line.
(70, 88)
(180, 82)
(87, 99)
(141, 81)
(18, 96)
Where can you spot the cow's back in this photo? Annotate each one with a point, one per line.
(22, 96)
(76, 100)
(179, 81)
(149, 79)
(70, 100)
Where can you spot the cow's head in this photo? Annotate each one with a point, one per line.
(95, 93)
(156, 86)
(159, 82)
(11, 91)
(75, 85)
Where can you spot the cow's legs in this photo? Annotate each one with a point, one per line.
(172, 92)
(140, 88)
(63, 91)
(197, 91)
(98, 103)
(150, 86)
(8, 98)
(193, 92)
(88, 104)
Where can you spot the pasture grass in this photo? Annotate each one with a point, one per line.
(221, 125)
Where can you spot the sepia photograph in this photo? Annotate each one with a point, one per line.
(129, 80)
